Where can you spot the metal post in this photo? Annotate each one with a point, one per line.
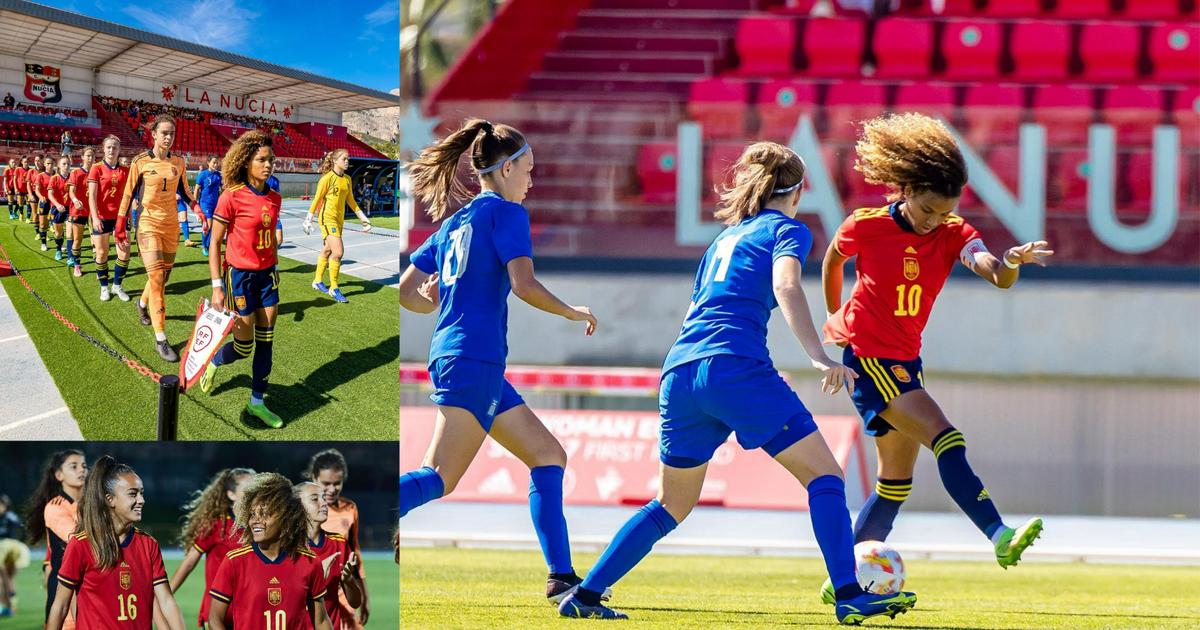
(168, 408)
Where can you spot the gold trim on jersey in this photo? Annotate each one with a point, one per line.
(871, 213)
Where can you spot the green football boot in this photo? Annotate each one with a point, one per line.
(1013, 542)
(206, 379)
(827, 596)
(268, 417)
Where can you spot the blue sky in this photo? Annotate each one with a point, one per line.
(357, 41)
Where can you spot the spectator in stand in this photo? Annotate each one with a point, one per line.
(9, 101)
(66, 140)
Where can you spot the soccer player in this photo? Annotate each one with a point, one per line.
(338, 562)
(467, 269)
(244, 223)
(54, 512)
(209, 530)
(80, 211)
(105, 184)
(329, 203)
(115, 568)
(14, 555)
(208, 190)
(274, 575)
(39, 178)
(9, 191)
(56, 195)
(905, 251)
(328, 469)
(155, 177)
(21, 186)
(720, 361)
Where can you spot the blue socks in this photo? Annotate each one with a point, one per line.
(546, 509)
(232, 351)
(418, 488)
(186, 226)
(119, 269)
(831, 524)
(629, 546)
(879, 512)
(264, 342)
(950, 449)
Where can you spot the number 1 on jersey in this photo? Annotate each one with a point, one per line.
(724, 255)
(454, 265)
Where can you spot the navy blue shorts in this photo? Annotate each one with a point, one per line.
(247, 290)
(477, 386)
(106, 227)
(59, 216)
(43, 207)
(879, 381)
(703, 401)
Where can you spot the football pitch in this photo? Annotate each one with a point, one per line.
(469, 588)
(381, 585)
(334, 371)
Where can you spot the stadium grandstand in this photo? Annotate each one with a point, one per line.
(68, 80)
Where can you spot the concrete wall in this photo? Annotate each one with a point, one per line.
(75, 83)
(1035, 328)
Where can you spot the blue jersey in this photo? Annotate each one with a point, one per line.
(209, 183)
(273, 183)
(733, 295)
(471, 252)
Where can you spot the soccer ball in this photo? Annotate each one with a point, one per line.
(880, 568)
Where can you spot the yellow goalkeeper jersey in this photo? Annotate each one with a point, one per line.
(329, 203)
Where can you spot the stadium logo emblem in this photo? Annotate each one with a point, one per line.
(911, 268)
(901, 374)
(274, 596)
(126, 580)
(41, 83)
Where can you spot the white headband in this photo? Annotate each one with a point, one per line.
(784, 191)
(516, 154)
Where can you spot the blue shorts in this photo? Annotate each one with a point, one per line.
(703, 401)
(59, 216)
(106, 227)
(247, 290)
(43, 207)
(879, 381)
(477, 386)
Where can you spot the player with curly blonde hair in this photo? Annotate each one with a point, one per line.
(905, 252)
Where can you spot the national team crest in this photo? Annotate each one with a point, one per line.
(274, 596)
(911, 268)
(240, 302)
(126, 579)
(266, 218)
(42, 83)
(901, 374)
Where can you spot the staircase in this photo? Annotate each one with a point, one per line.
(114, 123)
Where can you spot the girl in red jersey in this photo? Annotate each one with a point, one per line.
(37, 177)
(339, 564)
(79, 209)
(10, 191)
(328, 469)
(53, 512)
(905, 252)
(209, 530)
(105, 183)
(56, 193)
(116, 569)
(244, 226)
(273, 582)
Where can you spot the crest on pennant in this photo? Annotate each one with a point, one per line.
(911, 268)
(274, 596)
(126, 579)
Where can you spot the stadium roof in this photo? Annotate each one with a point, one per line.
(27, 28)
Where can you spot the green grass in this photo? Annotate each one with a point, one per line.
(333, 375)
(382, 584)
(457, 588)
(391, 222)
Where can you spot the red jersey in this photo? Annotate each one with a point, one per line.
(280, 589)
(899, 276)
(33, 178)
(77, 189)
(331, 551)
(110, 184)
(58, 185)
(18, 180)
(119, 598)
(8, 177)
(223, 536)
(43, 182)
(249, 217)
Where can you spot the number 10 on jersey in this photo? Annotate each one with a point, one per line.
(908, 300)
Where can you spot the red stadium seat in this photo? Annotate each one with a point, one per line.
(833, 47)
(993, 113)
(1083, 9)
(1065, 111)
(780, 105)
(1175, 52)
(1066, 182)
(1133, 111)
(656, 165)
(1005, 162)
(903, 47)
(1013, 8)
(1185, 113)
(1040, 50)
(720, 106)
(931, 99)
(971, 49)
(847, 103)
(1109, 51)
(858, 193)
(1152, 9)
(766, 45)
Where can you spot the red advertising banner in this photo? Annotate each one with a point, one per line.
(612, 459)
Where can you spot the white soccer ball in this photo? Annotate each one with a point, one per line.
(880, 567)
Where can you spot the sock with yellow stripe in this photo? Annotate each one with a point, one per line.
(232, 351)
(335, 267)
(264, 342)
(879, 512)
(322, 261)
(950, 449)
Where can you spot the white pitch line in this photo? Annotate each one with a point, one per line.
(40, 416)
(14, 338)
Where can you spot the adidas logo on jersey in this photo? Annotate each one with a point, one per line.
(909, 250)
(274, 580)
